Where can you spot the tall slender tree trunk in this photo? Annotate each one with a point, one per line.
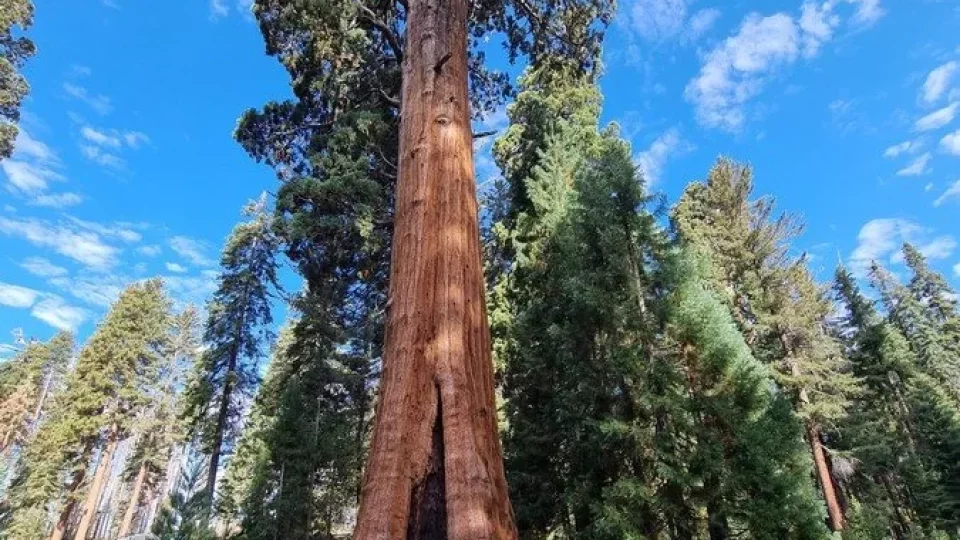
(96, 488)
(127, 522)
(215, 450)
(820, 466)
(435, 468)
(824, 478)
(63, 521)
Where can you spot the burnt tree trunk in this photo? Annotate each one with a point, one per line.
(435, 469)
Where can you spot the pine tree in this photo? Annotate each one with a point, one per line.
(918, 324)
(754, 472)
(236, 329)
(902, 432)
(776, 303)
(96, 410)
(26, 383)
(158, 429)
(14, 51)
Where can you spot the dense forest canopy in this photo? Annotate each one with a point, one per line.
(559, 353)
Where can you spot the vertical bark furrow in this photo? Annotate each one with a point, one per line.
(428, 499)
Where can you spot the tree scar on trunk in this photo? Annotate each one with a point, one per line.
(428, 498)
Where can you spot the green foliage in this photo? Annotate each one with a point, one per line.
(101, 399)
(237, 326)
(15, 49)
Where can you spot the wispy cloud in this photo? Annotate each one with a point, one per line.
(17, 296)
(99, 137)
(917, 167)
(903, 148)
(937, 82)
(33, 166)
(39, 266)
(937, 119)
(737, 70)
(83, 246)
(99, 103)
(176, 268)
(881, 240)
(663, 20)
(58, 314)
(95, 154)
(194, 251)
(653, 160)
(57, 200)
(149, 251)
(952, 192)
(951, 142)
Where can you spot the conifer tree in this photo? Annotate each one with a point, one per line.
(236, 329)
(754, 472)
(901, 431)
(159, 429)
(774, 300)
(103, 395)
(15, 17)
(26, 383)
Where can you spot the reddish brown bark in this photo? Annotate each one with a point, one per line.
(435, 468)
(825, 479)
(134, 502)
(96, 489)
(64, 520)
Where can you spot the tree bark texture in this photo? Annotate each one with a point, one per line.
(435, 469)
(96, 489)
(132, 506)
(824, 478)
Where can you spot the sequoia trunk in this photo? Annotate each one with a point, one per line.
(435, 468)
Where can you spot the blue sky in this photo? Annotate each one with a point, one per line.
(849, 111)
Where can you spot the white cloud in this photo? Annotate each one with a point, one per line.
(99, 137)
(951, 142)
(938, 81)
(701, 22)
(80, 70)
(652, 160)
(192, 250)
(174, 267)
(149, 251)
(57, 200)
(99, 290)
(937, 119)
(916, 167)
(735, 71)
(58, 314)
(818, 22)
(663, 20)
(135, 138)
(218, 9)
(26, 145)
(868, 11)
(658, 19)
(39, 266)
(956, 269)
(106, 159)
(116, 230)
(28, 178)
(98, 103)
(32, 167)
(952, 192)
(902, 148)
(82, 246)
(881, 239)
(17, 296)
